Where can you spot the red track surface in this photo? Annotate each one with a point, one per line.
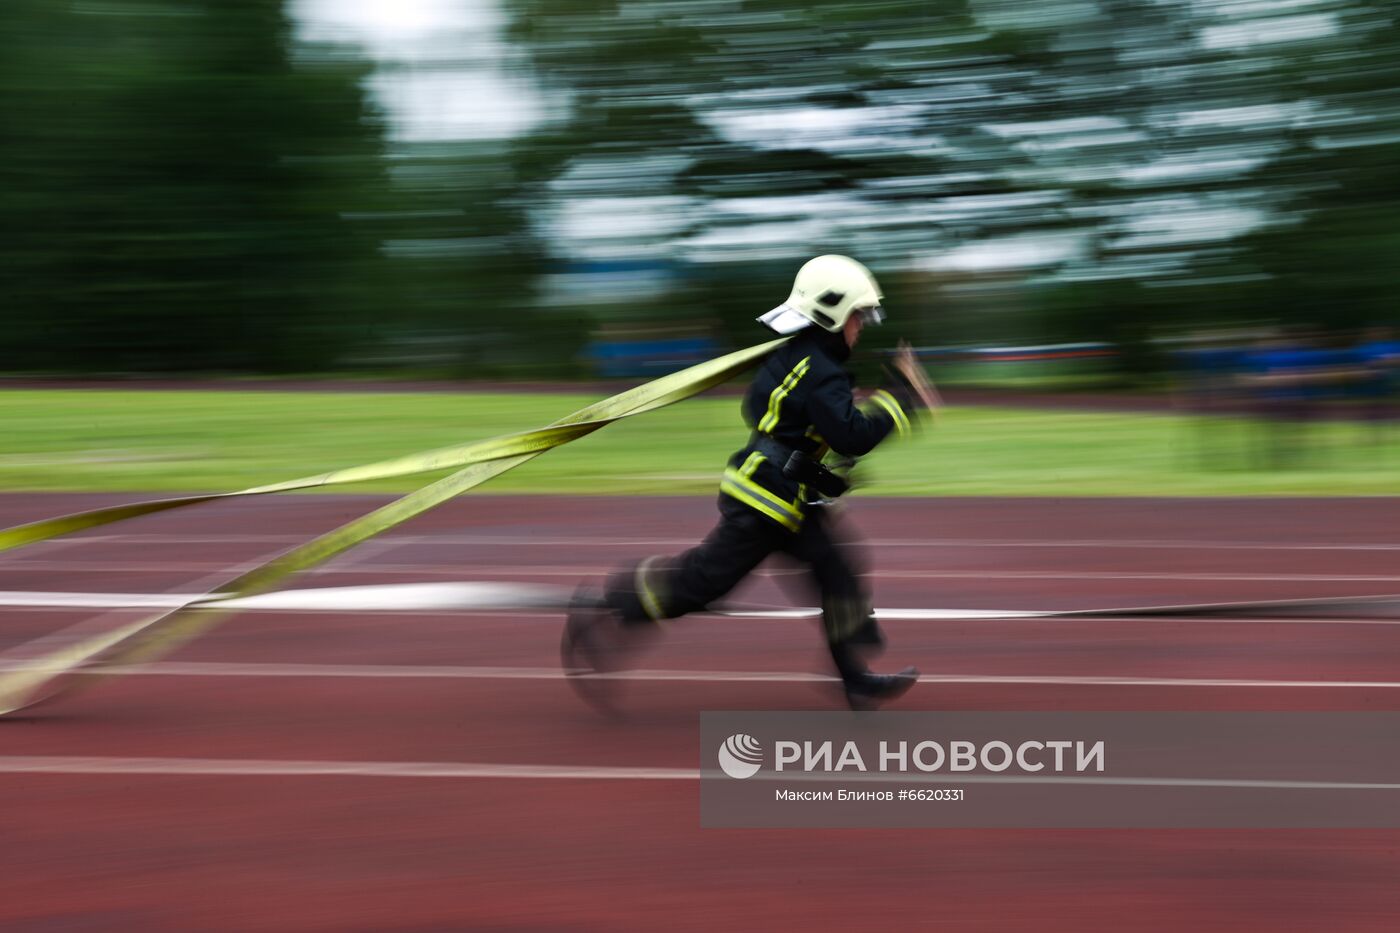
(307, 852)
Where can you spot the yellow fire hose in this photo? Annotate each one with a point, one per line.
(154, 637)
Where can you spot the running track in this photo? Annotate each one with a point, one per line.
(196, 795)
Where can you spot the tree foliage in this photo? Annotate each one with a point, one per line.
(176, 182)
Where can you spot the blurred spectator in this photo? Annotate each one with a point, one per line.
(1378, 355)
(624, 352)
(1206, 385)
(1292, 380)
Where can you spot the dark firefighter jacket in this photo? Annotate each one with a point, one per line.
(801, 398)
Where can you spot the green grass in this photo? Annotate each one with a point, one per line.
(96, 440)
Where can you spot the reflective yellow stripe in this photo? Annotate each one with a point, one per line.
(891, 407)
(740, 487)
(648, 599)
(775, 399)
(751, 463)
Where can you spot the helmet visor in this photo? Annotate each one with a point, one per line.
(872, 314)
(784, 319)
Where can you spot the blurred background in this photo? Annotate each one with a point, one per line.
(1194, 198)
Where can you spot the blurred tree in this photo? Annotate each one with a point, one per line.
(468, 266)
(176, 181)
(1113, 169)
(664, 120)
(185, 187)
(1334, 264)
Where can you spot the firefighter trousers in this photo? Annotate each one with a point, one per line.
(669, 587)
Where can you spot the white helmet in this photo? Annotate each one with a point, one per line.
(826, 292)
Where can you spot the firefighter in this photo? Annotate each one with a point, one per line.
(774, 494)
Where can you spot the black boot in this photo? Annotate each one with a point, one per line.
(597, 643)
(864, 690)
(868, 637)
(867, 691)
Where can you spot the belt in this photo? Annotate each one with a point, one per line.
(777, 453)
(799, 465)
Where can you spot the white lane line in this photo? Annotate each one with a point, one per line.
(453, 672)
(642, 542)
(459, 598)
(44, 644)
(371, 598)
(253, 767)
(409, 597)
(42, 600)
(1063, 617)
(552, 617)
(581, 571)
(887, 615)
(65, 764)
